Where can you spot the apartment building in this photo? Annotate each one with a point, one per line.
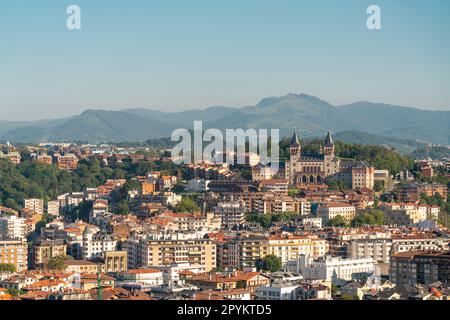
(412, 192)
(363, 177)
(418, 241)
(420, 267)
(231, 213)
(331, 210)
(53, 208)
(272, 203)
(335, 270)
(14, 252)
(96, 244)
(246, 252)
(145, 251)
(115, 261)
(13, 227)
(68, 162)
(44, 250)
(34, 205)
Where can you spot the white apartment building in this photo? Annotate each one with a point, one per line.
(96, 244)
(144, 277)
(330, 210)
(12, 227)
(335, 270)
(418, 242)
(36, 205)
(277, 291)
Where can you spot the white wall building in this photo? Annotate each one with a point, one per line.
(335, 270)
(12, 227)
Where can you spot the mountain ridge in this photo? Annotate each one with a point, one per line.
(309, 114)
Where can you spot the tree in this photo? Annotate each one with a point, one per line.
(271, 263)
(122, 207)
(378, 186)
(349, 297)
(7, 267)
(337, 221)
(58, 263)
(187, 205)
(14, 292)
(369, 218)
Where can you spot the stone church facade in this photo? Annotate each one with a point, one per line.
(303, 169)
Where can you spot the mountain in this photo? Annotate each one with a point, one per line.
(401, 145)
(94, 126)
(311, 116)
(181, 118)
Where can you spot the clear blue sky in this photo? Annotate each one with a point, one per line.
(179, 54)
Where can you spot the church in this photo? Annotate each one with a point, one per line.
(311, 168)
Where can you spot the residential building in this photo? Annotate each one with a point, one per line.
(330, 210)
(13, 227)
(154, 251)
(35, 205)
(420, 267)
(231, 213)
(335, 270)
(15, 252)
(44, 250)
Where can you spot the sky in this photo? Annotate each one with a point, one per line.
(181, 54)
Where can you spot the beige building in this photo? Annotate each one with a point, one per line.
(45, 250)
(331, 210)
(304, 169)
(246, 252)
(144, 252)
(363, 177)
(53, 208)
(35, 205)
(14, 252)
(115, 261)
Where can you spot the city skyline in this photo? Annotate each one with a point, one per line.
(195, 55)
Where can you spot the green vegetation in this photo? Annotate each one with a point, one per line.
(266, 220)
(187, 205)
(58, 263)
(34, 180)
(271, 263)
(7, 267)
(14, 292)
(80, 212)
(337, 221)
(371, 217)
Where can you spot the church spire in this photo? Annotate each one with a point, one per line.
(329, 140)
(295, 142)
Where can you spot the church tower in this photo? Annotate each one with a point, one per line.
(295, 148)
(328, 149)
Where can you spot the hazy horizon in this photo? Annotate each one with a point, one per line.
(191, 55)
(201, 108)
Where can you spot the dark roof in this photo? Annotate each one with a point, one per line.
(295, 142)
(329, 140)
